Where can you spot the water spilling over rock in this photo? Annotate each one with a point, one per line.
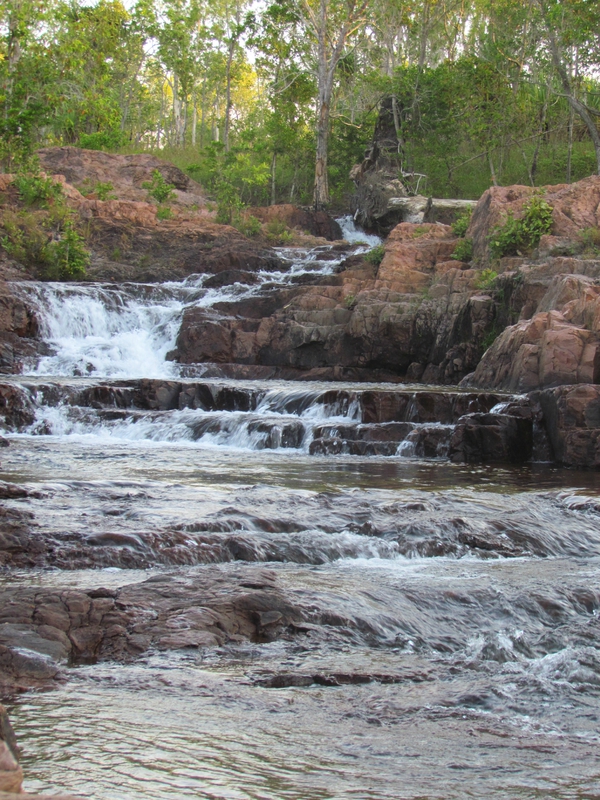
(248, 588)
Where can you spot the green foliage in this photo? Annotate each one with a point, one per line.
(104, 191)
(486, 279)
(590, 238)
(490, 337)
(350, 301)
(67, 257)
(103, 140)
(229, 204)
(519, 236)
(463, 251)
(278, 233)
(158, 188)
(375, 255)
(24, 236)
(33, 238)
(163, 213)
(248, 225)
(37, 190)
(461, 223)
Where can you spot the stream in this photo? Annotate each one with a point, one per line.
(452, 641)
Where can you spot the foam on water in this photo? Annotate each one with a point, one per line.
(127, 331)
(353, 234)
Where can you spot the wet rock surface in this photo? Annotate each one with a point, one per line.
(42, 631)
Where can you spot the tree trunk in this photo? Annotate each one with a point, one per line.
(570, 145)
(577, 106)
(228, 95)
(194, 123)
(273, 171)
(13, 56)
(536, 152)
(321, 187)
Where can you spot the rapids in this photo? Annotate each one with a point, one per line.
(451, 646)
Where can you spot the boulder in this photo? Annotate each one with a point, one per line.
(575, 207)
(86, 168)
(572, 419)
(485, 438)
(543, 351)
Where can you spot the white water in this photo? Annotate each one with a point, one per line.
(127, 331)
(352, 234)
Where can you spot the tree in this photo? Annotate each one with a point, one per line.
(569, 24)
(331, 24)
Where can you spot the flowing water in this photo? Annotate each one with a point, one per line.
(453, 636)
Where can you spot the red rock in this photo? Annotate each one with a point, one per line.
(543, 351)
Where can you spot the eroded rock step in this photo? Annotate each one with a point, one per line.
(321, 421)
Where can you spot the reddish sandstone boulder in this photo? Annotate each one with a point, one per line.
(543, 351)
(575, 207)
(485, 438)
(411, 255)
(86, 168)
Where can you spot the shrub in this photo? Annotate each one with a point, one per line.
(278, 232)
(163, 212)
(486, 279)
(490, 338)
(104, 191)
(24, 237)
(248, 225)
(463, 250)
(229, 204)
(462, 222)
(103, 140)
(518, 236)
(37, 190)
(158, 188)
(590, 238)
(375, 255)
(67, 257)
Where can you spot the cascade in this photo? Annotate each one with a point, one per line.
(239, 589)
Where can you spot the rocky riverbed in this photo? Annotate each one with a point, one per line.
(256, 540)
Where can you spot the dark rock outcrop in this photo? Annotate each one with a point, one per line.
(492, 438)
(572, 419)
(315, 223)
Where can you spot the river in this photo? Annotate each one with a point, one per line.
(452, 638)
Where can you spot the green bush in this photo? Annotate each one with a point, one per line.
(375, 255)
(249, 225)
(463, 250)
(103, 140)
(163, 212)
(462, 222)
(37, 190)
(278, 232)
(67, 257)
(486, 279)
(519, 236)
(590, 238)
(158, 188)
(104, 191)
(23, 236)
(229, 204)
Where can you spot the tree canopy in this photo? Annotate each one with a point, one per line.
(276, 101)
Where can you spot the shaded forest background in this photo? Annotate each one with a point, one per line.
(485, 91)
